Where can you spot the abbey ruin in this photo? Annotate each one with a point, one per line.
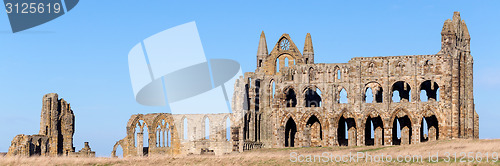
(291, 101)
(57, 126)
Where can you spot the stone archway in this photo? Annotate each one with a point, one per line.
(290, 131)
(115, 148)
(313, 131)
(402, 125)
(429, 127)
(346, 132)
(374, 126)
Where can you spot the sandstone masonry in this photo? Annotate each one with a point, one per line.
(291, 101)
(57, 126)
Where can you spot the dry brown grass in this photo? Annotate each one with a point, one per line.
(282, 156)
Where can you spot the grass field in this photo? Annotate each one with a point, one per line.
(444, 150)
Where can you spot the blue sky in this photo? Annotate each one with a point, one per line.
(82, 55)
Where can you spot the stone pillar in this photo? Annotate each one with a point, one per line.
(333, 140)
(234, 138)
(352, 137)
(378, 136)
(251, 127)
(43, 148)
(163, 138)
(307, 136)
(415, 135)
(290, 141)
(241, 136)
(405, 136)
(360, 138)
(432, 133)
(281, 137)
(388, 136)
(140, 146)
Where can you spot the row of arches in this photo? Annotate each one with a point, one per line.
(401, 91)
(157, 133)
(311, 72)
(312, 97)
(286, 62)
(374, 130)
(145, 136)
(208, 132)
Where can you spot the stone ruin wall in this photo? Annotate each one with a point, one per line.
(292, 101)
(448, 114)
(55, 138)
(165, 134)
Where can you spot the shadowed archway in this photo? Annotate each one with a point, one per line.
(290, 131)
(315, 131)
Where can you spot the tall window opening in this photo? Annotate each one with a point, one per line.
(228, 129)
(185, 121)
(290, 130)
(277, 65)
(338, 74)
(291, 98)
(207, 128)
(343, 96)
(369, 95)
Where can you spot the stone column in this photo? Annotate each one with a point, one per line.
(140, 146)
(361, 135)
(251, 126)
(432, 133)
(43, 148)
(388, 136)
(163, 140)
(307, 136)
(352, 137)
(378, 136)
(405, 136)
(415, 138)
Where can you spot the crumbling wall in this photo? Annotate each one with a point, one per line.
(185, 134)
(413, 98)
(55, 138)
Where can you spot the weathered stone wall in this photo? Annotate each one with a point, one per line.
(288, 93)
(176, 134)
(291, 101)
(84, 152)
(57, 126)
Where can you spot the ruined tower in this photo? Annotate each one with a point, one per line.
(455, 44)
(57, 123)
(55, 138)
